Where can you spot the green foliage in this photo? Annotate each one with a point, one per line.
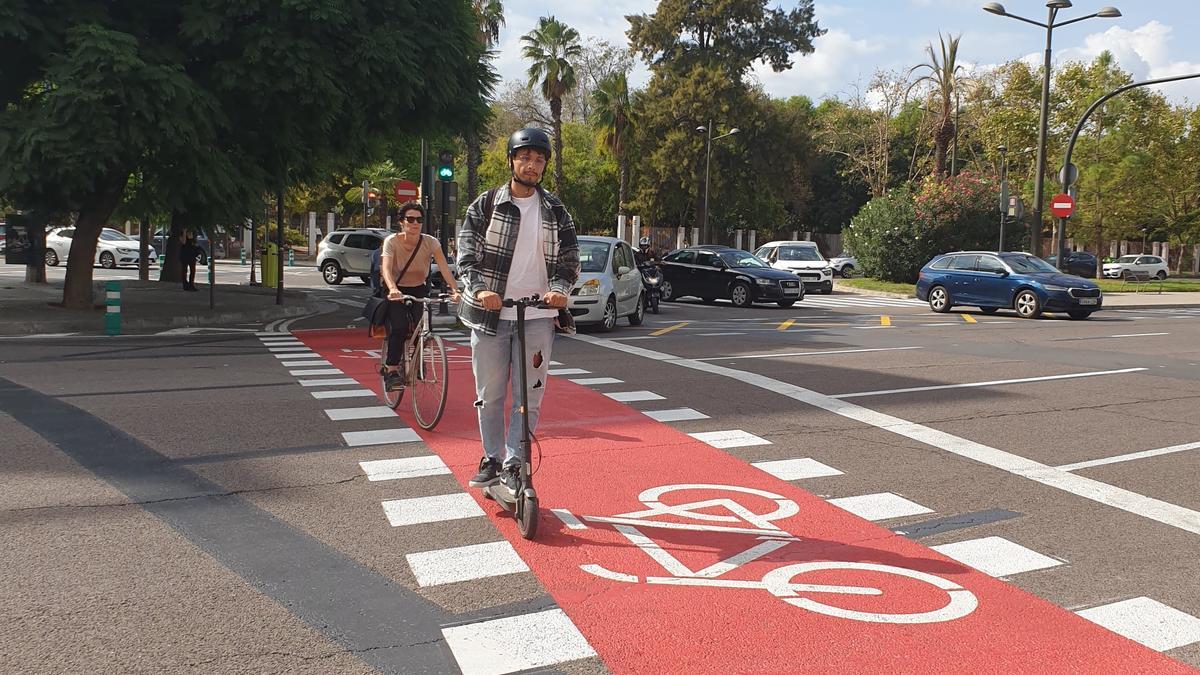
(895, 235)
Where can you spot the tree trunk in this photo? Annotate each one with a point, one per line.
(144, 233)
(473, 161)
(941, 147)
(172, 269)
(624, 185)
(93, 214)
(35, 269)
(556, 113)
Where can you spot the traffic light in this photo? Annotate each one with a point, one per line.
(372, 200)
(445, 170)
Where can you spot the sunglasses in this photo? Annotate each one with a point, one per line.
(413, 219)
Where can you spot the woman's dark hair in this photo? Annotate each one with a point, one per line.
(409, 206)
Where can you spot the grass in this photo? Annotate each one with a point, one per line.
(1106, 285)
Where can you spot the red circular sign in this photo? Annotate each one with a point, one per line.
(405, 190)
(1062, 205)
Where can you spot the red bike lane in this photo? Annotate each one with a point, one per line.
(672, 556)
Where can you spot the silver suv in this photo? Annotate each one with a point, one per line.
(348, 253)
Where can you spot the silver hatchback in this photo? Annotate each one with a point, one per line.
(347, 253)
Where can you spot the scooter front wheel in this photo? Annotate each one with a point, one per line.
(654, 303)
(527, 516)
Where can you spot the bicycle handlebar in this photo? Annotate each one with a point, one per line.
(428, 300)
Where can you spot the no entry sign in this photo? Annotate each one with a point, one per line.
(1062, 206)
(405, 190)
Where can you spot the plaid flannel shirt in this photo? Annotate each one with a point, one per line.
(485, 252)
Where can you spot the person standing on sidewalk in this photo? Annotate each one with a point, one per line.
(188, 253)
(517, 241)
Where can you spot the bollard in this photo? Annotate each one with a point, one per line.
(243, 255)
(161, 258)
(291, 258)
(112, 301)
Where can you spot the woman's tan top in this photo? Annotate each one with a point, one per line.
(396, 253)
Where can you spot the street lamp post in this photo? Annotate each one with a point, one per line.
(707, 160)
(1035, 234)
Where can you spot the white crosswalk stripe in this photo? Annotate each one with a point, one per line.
(856, 301)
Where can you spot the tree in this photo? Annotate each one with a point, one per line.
(550, 47)
(597, 61)
(944, 78)
(613, 114)
(490, 15)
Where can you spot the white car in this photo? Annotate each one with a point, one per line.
(844, 265)
(1150, 265)
(801, 258)
(609, 285)
(113, 248)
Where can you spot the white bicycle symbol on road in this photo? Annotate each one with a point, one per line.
(780, 581)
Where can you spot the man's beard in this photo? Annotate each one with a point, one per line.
(525, 182)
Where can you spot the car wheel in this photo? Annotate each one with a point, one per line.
(1162, 274)
(739, 294)
(331, 272)
(1027, 305)
(989, 310)
(847, 271)
(610, 315)
(107, 261)
(827, 288)
(786, 303)
(1079, 314)
(639, 314)
(666, 291)
(939, 299)
(51, 258)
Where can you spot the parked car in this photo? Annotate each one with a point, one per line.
(1150, 265)
(113, 249)
(739, 276)
(993, 281)
(844, 265)
(1079, 263)
(609, 286)
(801, 258)
(348, 253)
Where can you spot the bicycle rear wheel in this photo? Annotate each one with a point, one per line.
(392, 398)
(430, 381)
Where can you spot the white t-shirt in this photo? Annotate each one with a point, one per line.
(527, 276)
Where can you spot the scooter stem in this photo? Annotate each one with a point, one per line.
(524, 401)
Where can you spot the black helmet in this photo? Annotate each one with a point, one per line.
(644, 241)
(530, 137)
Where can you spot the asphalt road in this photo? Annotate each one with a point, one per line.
(181, 502)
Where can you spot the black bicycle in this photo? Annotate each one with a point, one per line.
(522, 503)
(426, 371)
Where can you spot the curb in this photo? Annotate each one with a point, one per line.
(877, 294)
(144, 326)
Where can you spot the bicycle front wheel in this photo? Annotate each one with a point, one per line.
(430, 382)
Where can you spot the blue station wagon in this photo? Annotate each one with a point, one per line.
(993, 281)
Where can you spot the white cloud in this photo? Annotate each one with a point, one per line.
(1144, 52)
(837, 61)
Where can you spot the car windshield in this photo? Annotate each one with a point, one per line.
(593, 255)
(113, 235)
(1127, 259)
(742, 259)
(1027, 264)
(801, 253)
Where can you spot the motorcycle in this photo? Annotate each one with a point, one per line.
(651, 279)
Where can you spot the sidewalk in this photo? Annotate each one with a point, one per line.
(1143, 300)
(146, 307)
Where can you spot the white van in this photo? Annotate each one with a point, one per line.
(801, 258)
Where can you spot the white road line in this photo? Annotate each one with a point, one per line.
(792, 354)
(731, 438)
(674, 415)
(517, 643)
(796, 469)
(408, 467)
(302, 355)
(370, 412)
(567, 371)
(1137, 335)
(294, 364)
(316, 371)
(996, 556)
(1046, 378)
(592, 381)
(337, 381)
(296, 348)
(435, 509)
(1126, 500)
(1129, 457)
(465, 563)
(380, 437)
(716, 334)
(343, 393)
(881, 506)
(1147, 621)
(632, 396)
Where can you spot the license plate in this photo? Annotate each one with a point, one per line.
(1089, 301)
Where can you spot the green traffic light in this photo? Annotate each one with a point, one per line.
(446, 172)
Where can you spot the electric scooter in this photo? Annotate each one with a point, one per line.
(523, 503)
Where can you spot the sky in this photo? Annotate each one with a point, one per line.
(1153, 39)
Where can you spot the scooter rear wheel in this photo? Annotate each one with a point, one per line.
(527, 517)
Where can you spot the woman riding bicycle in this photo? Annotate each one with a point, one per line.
(405, 269)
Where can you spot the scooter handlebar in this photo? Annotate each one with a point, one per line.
(532, 301)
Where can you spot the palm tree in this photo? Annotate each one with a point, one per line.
(944, 77)
(549, 47)
(490, 15)
(612, 113)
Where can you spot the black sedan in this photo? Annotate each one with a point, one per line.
(710, 272)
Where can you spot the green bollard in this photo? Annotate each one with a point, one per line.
(243, 252)
(291, 258)
(112, 301)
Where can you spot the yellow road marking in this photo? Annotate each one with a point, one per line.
(668, 329)
(968, 318)
(885, 320)
(786, 324)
